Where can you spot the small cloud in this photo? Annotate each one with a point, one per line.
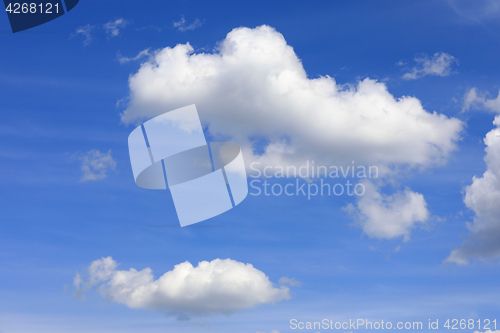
(470, 99)
(388, 216)
(286, 281)
(181, 24)
(221, 286)
(438, 65)
(95, 165)
(476, 100)
(397, 249)
(275, 331)
(123, 60)
(85, 31)
(112, 28)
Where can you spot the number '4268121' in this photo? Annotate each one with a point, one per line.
(485, 324)
(32, 8)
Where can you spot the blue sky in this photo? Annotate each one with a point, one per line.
(63, 101)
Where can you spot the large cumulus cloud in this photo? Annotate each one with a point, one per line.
(254, 89)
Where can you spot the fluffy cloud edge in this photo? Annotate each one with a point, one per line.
(254, 85)
(482, 197)
(391, 216)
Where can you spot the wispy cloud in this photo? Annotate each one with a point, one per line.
(154, 27)
(85, 31)
(476, 11)
(181, 24)
(286, 281)
(474, 99)
(123, 60)
(95, 165)
(438, 65)
(221, 286)
(112, 28)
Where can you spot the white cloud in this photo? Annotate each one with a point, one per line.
(123, 60)
(476, 100)
(215, 287)
(389, 216)
(85, 31)
(439, 65)
(483, 197)
(181, 24)
(254, 86)
(95, 165)
(112, 28)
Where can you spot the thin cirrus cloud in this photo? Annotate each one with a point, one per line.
(254, 86)
(182, 25)
(438, 65)
(477, 11)
(483, 195)
(221, 286)
(95, 165)
(86, 32)
(140, 55)
(111, 29)
(286, 281)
